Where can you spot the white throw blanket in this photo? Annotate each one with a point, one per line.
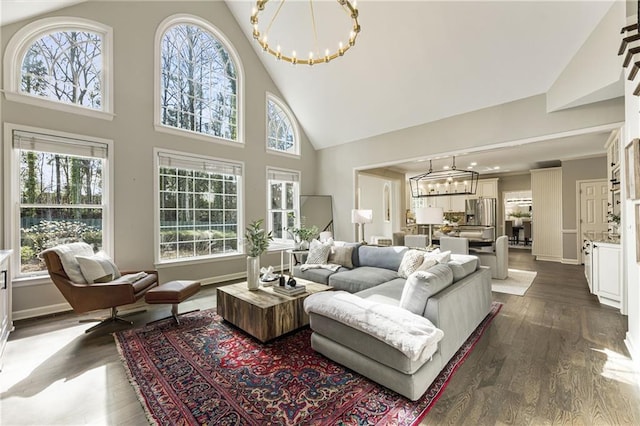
(413, 335)
(330, 266)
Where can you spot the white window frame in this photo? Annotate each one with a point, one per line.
(12, 197)
(280, 175)
(294, 126)
(157, 153)
(25, 37)
(188, 19)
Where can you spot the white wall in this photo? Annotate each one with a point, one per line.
(495, 126)
(371, 197)
(134, 25)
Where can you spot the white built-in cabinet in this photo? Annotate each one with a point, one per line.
(487, 188)
(606, 277)
(6, 323)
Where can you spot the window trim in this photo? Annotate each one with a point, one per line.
(26, 36)
(12, 204)
(156, 210)
(294, 125)
(279, 244)
(185, 18)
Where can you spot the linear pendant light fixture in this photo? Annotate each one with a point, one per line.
(315, 56)
(444, 182)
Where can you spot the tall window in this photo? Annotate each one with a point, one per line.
(60, 187)
(199, 205)
(282, 134)
(284, 203)
(198, 80)
(62, 60)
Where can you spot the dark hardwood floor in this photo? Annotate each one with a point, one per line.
(553, 356)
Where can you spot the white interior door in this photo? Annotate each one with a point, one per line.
(594, 196)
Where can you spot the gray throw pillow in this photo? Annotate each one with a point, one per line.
(341, 256)
(421, 285)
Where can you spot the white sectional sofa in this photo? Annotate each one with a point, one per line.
(458, 299)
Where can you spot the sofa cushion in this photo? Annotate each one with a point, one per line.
(423, 284)
(341, 256)
(462, 265)
(411, 261)
(361, 278)
(381, 257)
(317, 275)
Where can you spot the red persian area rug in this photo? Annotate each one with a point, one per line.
(207, 372)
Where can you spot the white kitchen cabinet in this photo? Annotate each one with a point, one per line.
(606, 273)
(6, 323)
(487, 188)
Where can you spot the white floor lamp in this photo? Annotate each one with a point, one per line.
(362, 216)
(429, 216)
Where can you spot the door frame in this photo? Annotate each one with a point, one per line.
(579, 214)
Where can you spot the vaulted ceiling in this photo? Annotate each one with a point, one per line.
(415, 61)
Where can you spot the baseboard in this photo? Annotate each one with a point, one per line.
(222, 278)
(549, 259)
(41, 311)
(635, 357)
(570, 261)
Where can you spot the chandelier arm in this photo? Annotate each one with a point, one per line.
(275, 15)
(315, 29)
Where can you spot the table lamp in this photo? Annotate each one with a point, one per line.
(362, 216)
(429, 216)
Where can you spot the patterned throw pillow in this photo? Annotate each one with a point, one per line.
(411, 261)
(341, 256)
(318, 254)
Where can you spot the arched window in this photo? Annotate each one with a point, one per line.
(62, 63)
(282, 133)
(199, 77)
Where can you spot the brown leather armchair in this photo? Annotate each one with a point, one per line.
(88, 297)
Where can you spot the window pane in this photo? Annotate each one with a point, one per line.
(290, 194)
(276, 195)
(280, 136)
(198, 83)
(65, 66)
(276, 220)
(204, 222)
(47, 178)
(43, 228)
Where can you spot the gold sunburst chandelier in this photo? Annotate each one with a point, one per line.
(315, 56)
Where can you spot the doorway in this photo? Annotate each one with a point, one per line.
(592, 209)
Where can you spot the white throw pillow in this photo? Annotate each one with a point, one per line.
(411, 260)
(67, 254)
(98, 268)
(421, 285)
(439, 256)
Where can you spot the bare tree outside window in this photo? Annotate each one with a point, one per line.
(65, 66)
(199, 83)
(280, 131)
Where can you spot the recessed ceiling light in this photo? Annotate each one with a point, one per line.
(420, 160)
(496, 168)
(469, 167)
(474, 163)
(446, 167)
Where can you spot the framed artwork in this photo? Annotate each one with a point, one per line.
(632, 169)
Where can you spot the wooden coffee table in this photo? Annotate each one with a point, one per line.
(262, 313)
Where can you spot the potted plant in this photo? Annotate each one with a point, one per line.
(302, 235)
(614, 220)
(517, 215)
(257, 243)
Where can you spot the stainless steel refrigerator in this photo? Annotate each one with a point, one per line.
(480, 212)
